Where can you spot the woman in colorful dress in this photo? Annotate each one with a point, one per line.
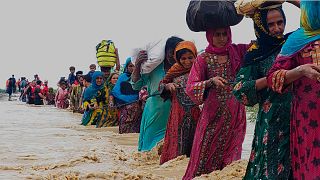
(184, 113)
(298, 67)
(95, 101)
(156, 112)
(76, 94)
(221, 128)
(127, 101)
(270, 154)
(112, 118)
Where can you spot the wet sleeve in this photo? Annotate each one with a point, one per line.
(245, 86)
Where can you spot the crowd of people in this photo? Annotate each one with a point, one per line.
(196, 102)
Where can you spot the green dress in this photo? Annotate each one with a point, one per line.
(75, 98)
(270, 154)
(103, 116)
(156, 112)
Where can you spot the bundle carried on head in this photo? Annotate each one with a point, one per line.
(210, 14)
(106, 53)
(248, 7)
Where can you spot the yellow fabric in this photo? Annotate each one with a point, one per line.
(106, 54)
(306, 25)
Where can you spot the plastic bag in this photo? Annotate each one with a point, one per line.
(204, 15)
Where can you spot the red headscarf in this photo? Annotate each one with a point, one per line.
(235, 53)
(215, 50)
(177, 69)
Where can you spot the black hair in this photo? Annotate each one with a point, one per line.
(87, 78)
(182, 52)
(72, 68)
(171, 44)
(39, 82)
(105, 69)
(79, 72)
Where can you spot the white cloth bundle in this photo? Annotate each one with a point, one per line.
(156, 55)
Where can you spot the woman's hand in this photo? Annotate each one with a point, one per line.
(141, 58)
(170, 87)
(311, 71)
(219, 82)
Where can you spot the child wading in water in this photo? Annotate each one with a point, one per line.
(62, 96)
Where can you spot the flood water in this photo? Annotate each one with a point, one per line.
(42, 142)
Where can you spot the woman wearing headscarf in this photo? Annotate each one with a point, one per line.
(156, 111)
(184, 113)
(112, 116)
(298, 67)
(95, 101)
(222, 125)
(270, 154)
(76, 93)
(127, 101)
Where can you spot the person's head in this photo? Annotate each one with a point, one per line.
(45, 82)
(33, 83)
(97, 79)
(219, 37)
(171, 44)
(36, 76)
(63, 85)
(92, 67)
(129, 66)
(78, 74)
(72, 69)
(269, 24)
(39, 82)
(12, 76)
(50, 90)
(86, 80)
(275, 22)
(80, 79)
(309, 19)
(106, 71)
(114, 78)
(185, 54)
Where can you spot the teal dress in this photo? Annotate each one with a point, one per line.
(156, 111)
(270, 153)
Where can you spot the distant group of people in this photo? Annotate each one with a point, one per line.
(196, 102)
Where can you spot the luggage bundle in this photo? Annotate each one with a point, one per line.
(248, 7)
(106, 53)
(203, 15)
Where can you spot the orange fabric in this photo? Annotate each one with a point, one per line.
(177, 69)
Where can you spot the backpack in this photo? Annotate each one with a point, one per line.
(106, 53)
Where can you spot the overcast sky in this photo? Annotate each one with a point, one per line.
(46, 37)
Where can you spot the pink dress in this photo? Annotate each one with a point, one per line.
(221, 128)
(305, 113)
(62, 99)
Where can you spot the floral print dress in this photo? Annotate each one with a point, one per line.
(270, 153)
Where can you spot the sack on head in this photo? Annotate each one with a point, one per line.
(106, 53)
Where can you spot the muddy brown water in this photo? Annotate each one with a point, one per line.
(42, 142)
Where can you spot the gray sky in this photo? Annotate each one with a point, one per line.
(46, 37)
